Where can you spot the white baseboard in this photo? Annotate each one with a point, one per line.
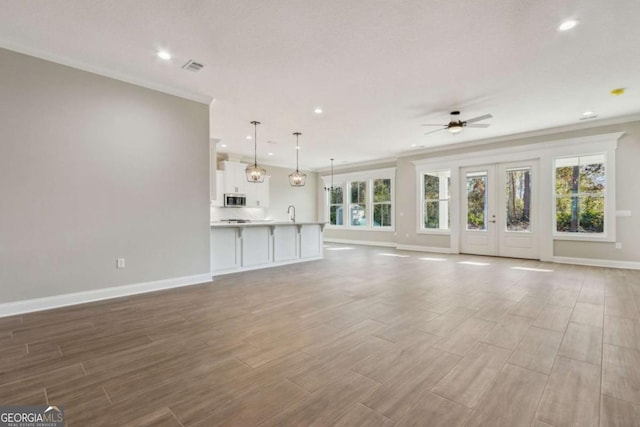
(424, 249)
(360, 242)
(263, 266)
(632, 265)
(57, 301)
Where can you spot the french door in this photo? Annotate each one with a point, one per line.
(499, 210)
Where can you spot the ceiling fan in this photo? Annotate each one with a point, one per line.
(456, 125)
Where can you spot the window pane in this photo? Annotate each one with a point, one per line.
(518, 189)
(382, 215)
(567, 214)
(432, 215)
(583, 214)
(381, 190)
(567, 179)
(591, 210)
(431, 187)
(358, 215)
(592, 178)
(359, 192)
(336, 196)
(476, 202)
(336, 215)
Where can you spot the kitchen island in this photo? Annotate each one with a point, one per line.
(252, 245)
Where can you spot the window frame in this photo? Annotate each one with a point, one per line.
(423, 201)
(608, 233)
(329, 205)
(368, 177)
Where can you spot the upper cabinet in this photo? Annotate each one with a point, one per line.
(235, 181)
(258, 194)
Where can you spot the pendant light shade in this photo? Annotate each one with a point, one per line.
(255, 173)
(297, 178)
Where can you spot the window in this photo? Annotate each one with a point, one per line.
(580, 184)
(336, 209)
(358, 204)
(364, 200)
(382, 202)
(435, 206)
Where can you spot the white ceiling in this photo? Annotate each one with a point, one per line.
(378, 68)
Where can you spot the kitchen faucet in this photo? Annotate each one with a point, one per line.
(292, 216)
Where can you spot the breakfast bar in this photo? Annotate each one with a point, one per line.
(241, 246)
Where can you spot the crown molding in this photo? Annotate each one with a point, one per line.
(105, 72)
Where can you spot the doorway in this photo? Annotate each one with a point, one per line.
(499, 210)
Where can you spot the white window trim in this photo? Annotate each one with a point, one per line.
(608, 234)
(421, 228)
(545, 152)
(345, 181)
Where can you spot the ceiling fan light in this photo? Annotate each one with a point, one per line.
(455, 128)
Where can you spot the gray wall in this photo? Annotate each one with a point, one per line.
(627, 191)
(92, 169)
(282, 194)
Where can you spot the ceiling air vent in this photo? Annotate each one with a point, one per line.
(192, 65)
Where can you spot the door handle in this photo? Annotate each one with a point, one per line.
(494, 221)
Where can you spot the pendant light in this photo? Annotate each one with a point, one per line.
(255, 173)
(297, 178)
(331, 189)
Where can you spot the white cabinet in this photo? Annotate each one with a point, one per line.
(258, 193)
(219, 194)
(241, 247)
(235, 179)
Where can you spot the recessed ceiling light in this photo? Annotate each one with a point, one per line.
(567, 25)
(588, 113)
(163, 54)
(249, 137)
(414, 145)
(271, 154)
(223, 145)
(318, 110)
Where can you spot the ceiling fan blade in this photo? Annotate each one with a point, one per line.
(478, 125)
(437, 130)
(477, 119)
(440, 124)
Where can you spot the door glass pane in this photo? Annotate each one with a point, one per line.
(477, 201)
(518, 190)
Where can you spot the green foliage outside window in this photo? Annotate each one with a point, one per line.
(580, 199)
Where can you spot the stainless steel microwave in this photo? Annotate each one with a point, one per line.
(235, 200)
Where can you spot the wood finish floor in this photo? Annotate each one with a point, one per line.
(366, 337)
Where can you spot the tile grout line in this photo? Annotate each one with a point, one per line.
(555, 360)
(175, 416)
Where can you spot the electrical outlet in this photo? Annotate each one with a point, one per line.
(120, 263)
(618, 245)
